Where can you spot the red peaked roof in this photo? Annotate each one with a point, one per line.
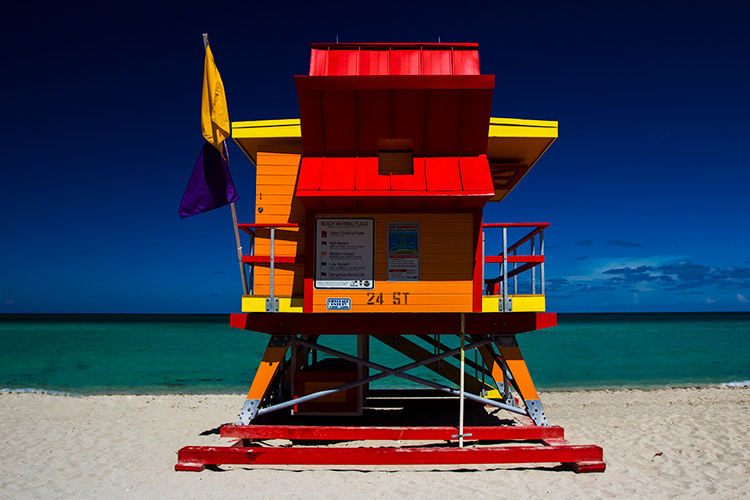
(437, 183)
(359, 96)
(394, 59)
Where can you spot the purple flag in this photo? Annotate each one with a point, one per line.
(210, 185)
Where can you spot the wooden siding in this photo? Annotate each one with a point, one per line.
(446, 268)
(276, 179)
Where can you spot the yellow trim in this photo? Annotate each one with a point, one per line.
(528, 303)
(254, 303)
(512, 131)
(490, 304)
(267, 129)
(265, 123)
(522, 122)
(499, 127)
(521, 303)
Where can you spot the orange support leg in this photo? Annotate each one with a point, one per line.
(272, 358)
(511, 353)
(492, 361)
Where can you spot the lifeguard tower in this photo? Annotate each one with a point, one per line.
(369, 224)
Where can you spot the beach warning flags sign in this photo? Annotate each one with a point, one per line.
(214, 113)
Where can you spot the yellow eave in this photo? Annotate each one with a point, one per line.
(515, 127)
(274, 135)
(511, 141)
(290, 128)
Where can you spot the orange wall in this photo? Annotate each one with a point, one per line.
(446, 268)
(446, 250)
(276, 179)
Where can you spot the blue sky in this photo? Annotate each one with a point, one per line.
(646, 188)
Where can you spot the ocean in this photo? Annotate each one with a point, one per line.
(152, 354)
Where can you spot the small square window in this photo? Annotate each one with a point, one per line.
(395, 157)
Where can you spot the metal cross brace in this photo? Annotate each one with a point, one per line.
(386, 372)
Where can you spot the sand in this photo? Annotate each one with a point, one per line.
(664, 443)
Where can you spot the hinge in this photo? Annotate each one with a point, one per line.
(506, 305)
(272, 305)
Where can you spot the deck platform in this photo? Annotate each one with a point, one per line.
(508, 441)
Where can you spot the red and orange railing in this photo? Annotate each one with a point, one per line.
(272, 259)
(509, 255)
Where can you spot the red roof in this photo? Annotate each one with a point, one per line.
(394, 59)
(429, 99)
(443, 115)
(437, 183)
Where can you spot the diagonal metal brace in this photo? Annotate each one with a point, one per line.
(386, 372)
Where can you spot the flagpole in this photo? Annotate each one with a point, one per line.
(234, 219)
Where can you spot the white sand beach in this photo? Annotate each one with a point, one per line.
(662, 443)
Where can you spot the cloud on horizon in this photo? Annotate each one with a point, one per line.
(683, 276)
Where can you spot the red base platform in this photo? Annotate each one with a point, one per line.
(527, 444)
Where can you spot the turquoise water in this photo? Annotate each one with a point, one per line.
(93, 354)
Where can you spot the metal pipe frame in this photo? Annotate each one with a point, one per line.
(250, 229)
(502, 280)
(273, 303)
(398, 372)
(541, 252)
(386, 372)
(507, 377)
(252, 268)
(533, 269)
(505, 268)
(440, 346)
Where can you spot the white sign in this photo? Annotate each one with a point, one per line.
(338, 304)
(344, 253)
(403, 251)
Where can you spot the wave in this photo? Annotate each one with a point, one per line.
(737, 383)
(33, 390)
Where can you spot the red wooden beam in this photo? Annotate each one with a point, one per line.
(265, 259)
(248, 227)
(271, 224)
(331, 323)
(498, 259)
(343, 433)
(190, 456)
(516, 224)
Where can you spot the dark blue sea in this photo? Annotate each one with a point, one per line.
(135, 354)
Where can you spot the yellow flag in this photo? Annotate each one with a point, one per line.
(214, 113)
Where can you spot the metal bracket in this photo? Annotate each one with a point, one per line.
(248, 412)
(536, 412)
(272, 305)
(506, 305)
(461, 435)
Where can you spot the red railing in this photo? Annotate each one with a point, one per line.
(270, 259)
(509, 255)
